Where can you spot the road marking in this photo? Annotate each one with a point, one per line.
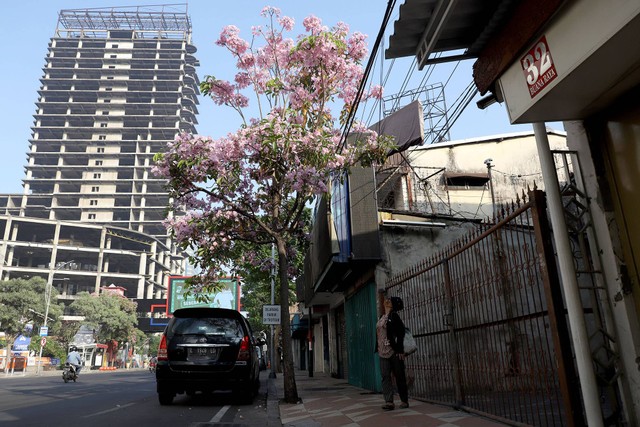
(220, 414)
(117, 408)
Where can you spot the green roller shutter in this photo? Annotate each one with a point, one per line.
(360, 314)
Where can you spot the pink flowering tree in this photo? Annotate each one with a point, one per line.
(251, 187)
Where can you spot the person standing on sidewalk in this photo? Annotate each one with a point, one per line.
(390, 348)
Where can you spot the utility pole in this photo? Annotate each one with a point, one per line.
(493, 198)
(48, 289)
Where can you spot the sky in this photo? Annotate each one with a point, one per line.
(26, 27)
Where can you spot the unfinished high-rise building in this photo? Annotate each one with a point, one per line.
(117, 85)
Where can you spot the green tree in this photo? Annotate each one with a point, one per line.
(112, 316)
(22, 302)
(64, 331)
(153, 344)
(257, 277)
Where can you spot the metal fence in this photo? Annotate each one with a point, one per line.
(489, 322)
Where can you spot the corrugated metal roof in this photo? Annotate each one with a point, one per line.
(425, 27)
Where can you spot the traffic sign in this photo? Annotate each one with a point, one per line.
(271, 314)
(43, 341)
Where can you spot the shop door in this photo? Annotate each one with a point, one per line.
(360, 313)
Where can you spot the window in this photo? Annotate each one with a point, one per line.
(97, 175)
(103, 125)
(113, 56)
(108, 89)
(105, 113)
(95, 189)
(102, 137)
(98, 162)
(93, 202)
(110, 78)
(111, 66)
(100, 149)
(106, 101)
(465, 180)
(114, 46)
(92, 216)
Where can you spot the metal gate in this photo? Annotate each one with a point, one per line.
(489, 321)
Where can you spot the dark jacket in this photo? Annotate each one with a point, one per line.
(395, 333)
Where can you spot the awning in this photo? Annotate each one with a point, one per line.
(437, 26)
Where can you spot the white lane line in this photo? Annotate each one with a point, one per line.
(117, 408)
(217, 417)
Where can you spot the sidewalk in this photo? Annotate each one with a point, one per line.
(331, 402)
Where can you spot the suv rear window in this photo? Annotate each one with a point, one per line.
(229, 328)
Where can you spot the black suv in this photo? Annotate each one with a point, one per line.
(207, 349)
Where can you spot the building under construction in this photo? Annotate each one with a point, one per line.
(117, 85)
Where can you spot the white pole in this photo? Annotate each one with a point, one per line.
(47, 298)
(579, 335)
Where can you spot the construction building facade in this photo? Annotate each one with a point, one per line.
(117, 85)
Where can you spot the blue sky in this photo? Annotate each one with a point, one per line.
(27, 26)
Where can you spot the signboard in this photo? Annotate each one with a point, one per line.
(538, 67)
(228, 297)
(271, 314)
(21, 343)
(44, 331)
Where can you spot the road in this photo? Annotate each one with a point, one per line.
(124, 398)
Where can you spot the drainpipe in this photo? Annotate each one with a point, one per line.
(579, 336)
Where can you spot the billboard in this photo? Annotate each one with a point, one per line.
(228, 297)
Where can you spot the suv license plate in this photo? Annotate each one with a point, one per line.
(203, 353)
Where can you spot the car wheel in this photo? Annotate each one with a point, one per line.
(165, 398)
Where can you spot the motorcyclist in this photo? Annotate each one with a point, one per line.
(74, 359)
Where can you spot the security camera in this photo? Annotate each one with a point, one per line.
(488, 161)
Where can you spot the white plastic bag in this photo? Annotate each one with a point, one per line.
(409, 343)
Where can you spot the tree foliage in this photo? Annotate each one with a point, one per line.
(22, 302)
(252, 187)
(112, 316)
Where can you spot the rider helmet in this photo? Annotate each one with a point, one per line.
(73, 348)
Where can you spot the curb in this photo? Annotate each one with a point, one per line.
(273, 403)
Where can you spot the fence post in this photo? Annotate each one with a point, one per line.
(453, 339)
(569, 384)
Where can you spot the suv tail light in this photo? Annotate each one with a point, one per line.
(245, 349)
(162, 349)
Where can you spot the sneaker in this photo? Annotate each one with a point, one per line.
(404, 405)
(389, 406)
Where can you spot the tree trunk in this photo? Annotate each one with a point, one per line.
(290, 389)
(10, 340)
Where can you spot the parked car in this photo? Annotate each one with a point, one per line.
(207, 349)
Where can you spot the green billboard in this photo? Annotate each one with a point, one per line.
(227, 297)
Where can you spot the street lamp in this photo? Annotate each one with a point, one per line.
(47, 298)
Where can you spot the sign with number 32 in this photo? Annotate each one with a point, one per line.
(538, 67)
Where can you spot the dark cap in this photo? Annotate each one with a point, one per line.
(396, 303)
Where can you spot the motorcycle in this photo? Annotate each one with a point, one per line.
(152, 367)
(69, 373)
